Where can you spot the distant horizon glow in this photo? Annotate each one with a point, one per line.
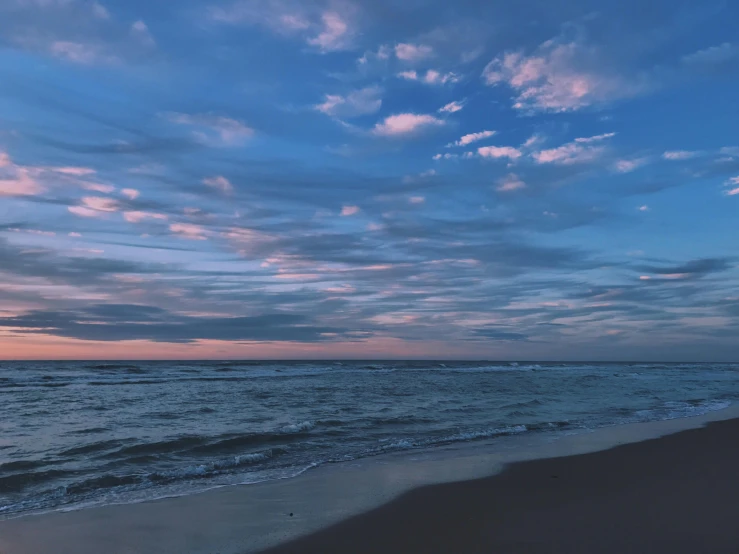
(338, 179)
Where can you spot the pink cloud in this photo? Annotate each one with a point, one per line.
(359, 102)
(581, 150)
(510, 183)
(431, 77)
(81, 211)
(218, 130)
(732, 183)
(74, 171)
(80, 53)
(472, 137)
(101, 204)
(405, 124)
(131, 194)
(95, 206)
(413, 52)
(335, 34)
(349, 210)
(499, 152)
(137, 217)
(409, 75)
(627, 166)
(452, 107)
(105, 189)
(558, 77)
(417, 200)
(219, 183)
(20, 182)
(679, 155)
(596, 138)
(188, 231)
(328, 30)
(17, 180)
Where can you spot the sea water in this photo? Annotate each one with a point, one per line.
(76, 434)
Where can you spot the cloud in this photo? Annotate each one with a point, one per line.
(472, 137)
(335, 34)
(417, 199)
(643, 208)
(724, 57)
(79, 32)
(128, 322)
(131, 194)
(434, 77)
(349, 210)
(497, 334)
(510, 183)
(95, 206)
(137, 217)
(431, 77)
(452, 107)
(596, 138)
(733, 182)
(356, 103)
(581, 150)
(499, 152)
(16, 180)
(140, 32)
(447, 156)
(219, 183)
(97, 187)
(214, 129)
(73, 171)
(188, 231)
(405, 124)
(328, 30)
(81, 53)
(691, 270)
(627, 166)
(282, 17)
(382, 54)
(679, 155)
(558, 78)
(413, 52)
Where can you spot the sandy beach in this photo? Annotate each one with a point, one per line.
(674, 494)
(627, 488)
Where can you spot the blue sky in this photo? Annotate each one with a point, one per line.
(279, 178)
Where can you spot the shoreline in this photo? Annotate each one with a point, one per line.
(674, 494)
(251, 518)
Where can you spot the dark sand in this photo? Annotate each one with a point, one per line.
(676, 494)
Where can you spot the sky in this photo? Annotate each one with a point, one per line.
(535, 180)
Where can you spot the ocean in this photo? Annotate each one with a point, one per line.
(76, 434)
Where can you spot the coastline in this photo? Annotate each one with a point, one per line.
(675, 494)
(250, 518)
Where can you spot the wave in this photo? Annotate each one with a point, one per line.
(22, 465)
(184, 442)
(525, 404)
(19, 481)
(188, 445)
(94, 447)
(130, 368)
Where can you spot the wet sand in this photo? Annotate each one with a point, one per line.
(636, 494)
(675, 494)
